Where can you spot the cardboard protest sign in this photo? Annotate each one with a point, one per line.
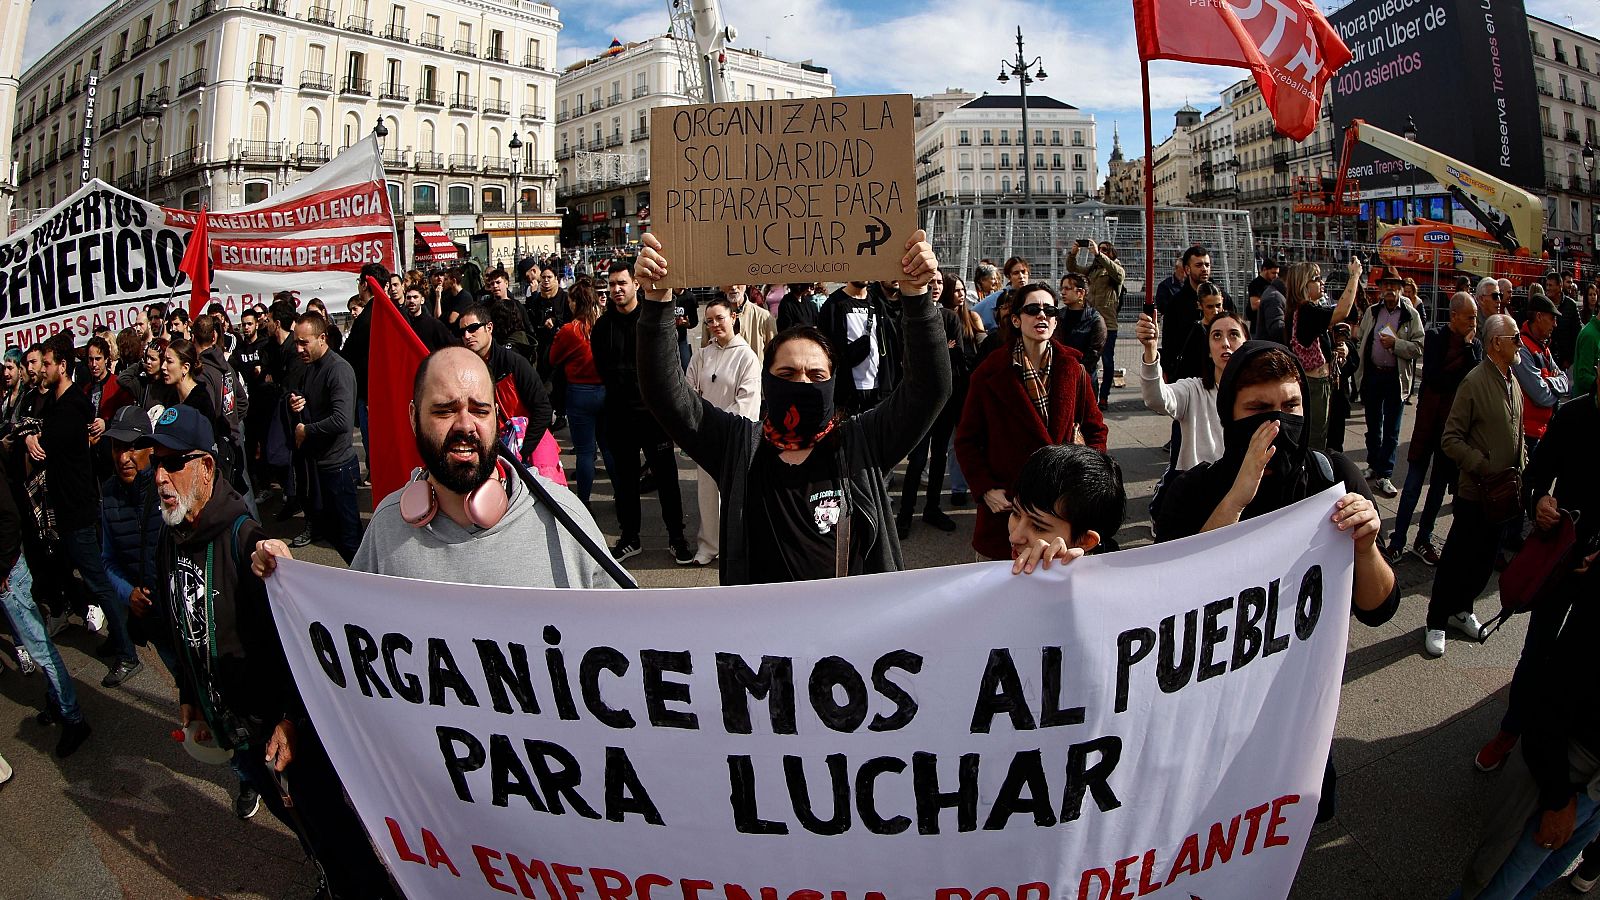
(102, 253)
(783, 190)
(1154, 720)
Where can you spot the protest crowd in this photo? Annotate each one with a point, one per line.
(142, 464)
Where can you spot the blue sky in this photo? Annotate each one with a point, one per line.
(900, 46)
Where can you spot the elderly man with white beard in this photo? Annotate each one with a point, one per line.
(234, 682)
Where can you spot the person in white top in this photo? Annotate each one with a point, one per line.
(1192, 401)
(727, 374)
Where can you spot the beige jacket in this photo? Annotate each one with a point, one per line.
(1105, 276)
(1482, 435)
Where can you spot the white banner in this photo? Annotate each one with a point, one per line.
(102, 253)
(1152, 722)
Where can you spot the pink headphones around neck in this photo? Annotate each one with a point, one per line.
(485, 506)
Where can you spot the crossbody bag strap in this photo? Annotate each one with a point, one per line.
(841, 534)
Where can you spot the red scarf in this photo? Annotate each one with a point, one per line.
(787, 439)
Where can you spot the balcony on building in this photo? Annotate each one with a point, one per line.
(614, 99)
(430, 97)
(493, 164)
(639, 134)
(563, 154)
(183, 161)
(312, 80)
(641, 90)
(206, 8)
(193, 80)
(265, 73)
(398, 93)
(1573, 137)
(1542, 87)
(462, 162)
(275, 7)
(311, 154)
(539, 168)
(459, 205)
(497, 107)
(496, 54)
(115, 60)
(399, 33)
(431, 40)
(156, 100)
(130, 111)
(595, 106)
(168, 30)
(428, 161)
(465, 48)
(139, 45)
(357, 25)
(614, 139)
(394, 158)
(320, 15)
(355, 87)
(261, 152)
(535, 113)
(464, 102)
(531, 61)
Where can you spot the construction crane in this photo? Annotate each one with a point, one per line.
(702, 41)
(1510, 244)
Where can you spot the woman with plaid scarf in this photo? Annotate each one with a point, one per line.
(1035, 395)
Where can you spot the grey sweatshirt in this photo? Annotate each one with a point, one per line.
(528, 548)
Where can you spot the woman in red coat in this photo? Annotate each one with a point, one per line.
(1027, 395)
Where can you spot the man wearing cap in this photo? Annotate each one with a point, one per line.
(1390, 338)
(1267, 302)
(1543, 382)
(233, 679)
(130, 529)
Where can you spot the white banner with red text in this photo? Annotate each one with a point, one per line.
(1152, 722)
(102, 253)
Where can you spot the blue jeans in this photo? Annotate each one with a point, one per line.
(584, 403)
(1531, 868)
(337, 518)
(1416, 473)
(958, 481)
(1108, 368)
(1380, 392)
(82, 547)
(27, 625)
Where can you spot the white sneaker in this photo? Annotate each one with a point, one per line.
(1433, 642)
(94, 619)
(1582, 883)
(1368, 473)
(704, 559)
(5, 770)
(1468, 624)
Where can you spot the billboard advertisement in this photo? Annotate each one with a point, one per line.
(1462, 70)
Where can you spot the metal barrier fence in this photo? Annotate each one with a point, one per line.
(962, 235)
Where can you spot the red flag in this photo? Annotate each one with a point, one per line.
(392, 360)
(1288, 44)
(196, 264)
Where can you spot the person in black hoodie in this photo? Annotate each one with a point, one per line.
(805, 492)
(1266, 466)
(234, 681)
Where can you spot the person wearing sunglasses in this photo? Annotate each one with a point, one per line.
(1021, 398)
(1307, 325)
(234, 683)
(518, 388)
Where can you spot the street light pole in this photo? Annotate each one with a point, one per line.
(1411, 180)
(149, 126)
(1022, 70)
(516, 198)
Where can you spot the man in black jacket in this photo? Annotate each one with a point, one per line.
(518, 391)
(326, 407)
(234, 682)
(630, 429)
(62, 445)
(857, 322)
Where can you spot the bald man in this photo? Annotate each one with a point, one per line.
(1482, 436)
(1449, 351)
(453, 418)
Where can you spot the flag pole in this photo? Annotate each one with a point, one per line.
(1149, 188)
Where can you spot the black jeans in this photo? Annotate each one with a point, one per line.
(932, 451)
(629, 433)
(327, 827)
(334, 511)
(1465, 564)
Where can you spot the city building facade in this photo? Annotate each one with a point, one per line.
(602, 126)
(1125, 177)
(975, 152)
(225, 102)
(1171, 167)
(1212, 164)
(1566, 72)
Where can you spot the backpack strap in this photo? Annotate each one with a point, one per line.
(238, 524)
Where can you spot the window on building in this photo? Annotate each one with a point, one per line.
(257, 191)
(425, 199)
(356, 66)
(495, 89)
(430, 79)
(316, 58)
(460, 198)
(988, 137)
(463, 83)
(965, 139)
(397, 15)
(493, 199)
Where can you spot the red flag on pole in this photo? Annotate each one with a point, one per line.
(196, 264)
(1288, 44)
(392, 362)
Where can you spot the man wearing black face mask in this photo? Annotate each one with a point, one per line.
(1266, 466)
(805, 491)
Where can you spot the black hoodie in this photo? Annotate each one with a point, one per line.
(249, 688)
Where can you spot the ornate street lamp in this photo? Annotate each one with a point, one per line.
(1026, 73)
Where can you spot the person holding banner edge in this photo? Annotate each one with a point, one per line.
(789, 512)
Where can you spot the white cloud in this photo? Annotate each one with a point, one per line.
(1582, 15)
(50, 23)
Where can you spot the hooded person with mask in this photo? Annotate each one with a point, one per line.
(805, 491)
(1266, 466)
